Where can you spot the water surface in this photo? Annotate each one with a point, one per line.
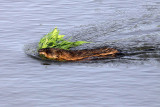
(132, 26)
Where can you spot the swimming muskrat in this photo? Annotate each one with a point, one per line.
(76, 55)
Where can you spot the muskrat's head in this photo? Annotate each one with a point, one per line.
(48, 53)
(43, 52)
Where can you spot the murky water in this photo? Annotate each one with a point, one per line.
(132, 26)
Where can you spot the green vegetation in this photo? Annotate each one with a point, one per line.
(54, 40)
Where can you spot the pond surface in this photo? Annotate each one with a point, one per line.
(132, 26)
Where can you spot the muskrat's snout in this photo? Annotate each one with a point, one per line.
(47, 52)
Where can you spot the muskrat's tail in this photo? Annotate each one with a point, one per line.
(135, 52)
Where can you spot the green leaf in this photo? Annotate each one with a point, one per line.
(53, 39)
(77, 43)
(60, 36)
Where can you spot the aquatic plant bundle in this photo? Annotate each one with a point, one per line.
(54, 40)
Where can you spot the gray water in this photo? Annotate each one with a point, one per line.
(133, 26)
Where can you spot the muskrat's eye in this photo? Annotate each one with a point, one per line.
(40, 50)
(47, 50)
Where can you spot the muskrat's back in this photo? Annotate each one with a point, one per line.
(75, 55)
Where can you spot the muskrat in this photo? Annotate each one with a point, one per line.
(76, 55)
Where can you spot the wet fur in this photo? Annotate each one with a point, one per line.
(76, 55)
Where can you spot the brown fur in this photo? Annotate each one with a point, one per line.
(75, 55)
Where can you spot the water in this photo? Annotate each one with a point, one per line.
(131, 81)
